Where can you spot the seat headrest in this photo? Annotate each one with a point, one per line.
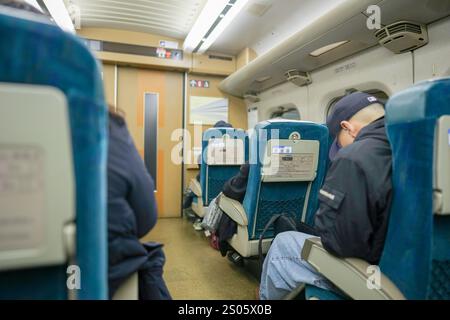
(281, 123)
(416, 245)
(220, 132)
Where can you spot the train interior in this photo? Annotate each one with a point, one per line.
(271, 72)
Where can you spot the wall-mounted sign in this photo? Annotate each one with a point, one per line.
(208, 110)
(168, 44)
(159, 52)
(164, 53)
(199, 83)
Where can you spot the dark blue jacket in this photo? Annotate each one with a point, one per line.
(356, 197)
(132, 209)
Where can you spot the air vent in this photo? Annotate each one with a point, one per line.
(217, 57)
(402, 36)
(251, 97)
(263, 79)
(297, 77)
(381, 34)
(404, 27)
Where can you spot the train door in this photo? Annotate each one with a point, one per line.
(152, 102)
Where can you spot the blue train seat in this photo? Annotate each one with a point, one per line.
(53, 143)
(287, 167)
(415, 263)
(224, 150)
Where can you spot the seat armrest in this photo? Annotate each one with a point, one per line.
(196, 188)
(233, 209)
(352, 276)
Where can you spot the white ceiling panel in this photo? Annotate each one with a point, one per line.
(171, 18)
(265, 23)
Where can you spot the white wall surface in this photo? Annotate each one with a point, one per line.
(375, 68)
(433, 60)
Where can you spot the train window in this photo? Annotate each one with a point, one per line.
(291, 114)
(380, 95)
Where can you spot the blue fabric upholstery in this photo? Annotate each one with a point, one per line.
(33, 51)
(416, 256)
(215, 176)
(281, 197)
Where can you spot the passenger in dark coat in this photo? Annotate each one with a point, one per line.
(234, 188)
(354, 202)
(352, 220)
(132, 213)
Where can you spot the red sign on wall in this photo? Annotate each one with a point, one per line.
(199, 83)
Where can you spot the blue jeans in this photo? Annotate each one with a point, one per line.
(284, 269)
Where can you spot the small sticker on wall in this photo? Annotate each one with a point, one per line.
(199, 83)
(161, 53)
(168, 44)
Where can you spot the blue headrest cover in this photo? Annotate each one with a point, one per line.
(218, 133)
(34, 51)
(410, 244)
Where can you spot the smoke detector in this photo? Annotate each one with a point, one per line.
(402, 36)
(297, 77)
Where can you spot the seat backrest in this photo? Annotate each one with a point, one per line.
(416, 255)
(287, 167)
(224, 150)
(37, 53)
